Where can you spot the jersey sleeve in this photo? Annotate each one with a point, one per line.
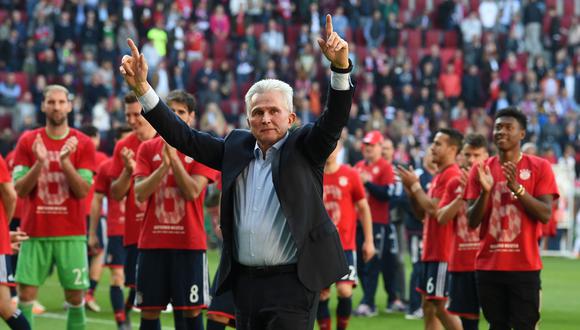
(358, 190)
(102, 180)
(4, 173)
(452, 190)
(473, 188)
(546, 182)
(143, 167)
(388, 176)
(23, 158)
(200, 169)
(117, 165)
(87, 155)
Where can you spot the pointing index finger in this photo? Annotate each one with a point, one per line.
(133, 47)
(328, 26)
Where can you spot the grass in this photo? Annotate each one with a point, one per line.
(559, 311)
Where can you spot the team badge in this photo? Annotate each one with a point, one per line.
(188, 160)
(525, 174)
(343, 181)
(156, 158)
(375, 170)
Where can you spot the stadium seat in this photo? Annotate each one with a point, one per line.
(433, 38)
(450, 39)
(221, 50)
(413, 38)
(569, 8)
(259, 28)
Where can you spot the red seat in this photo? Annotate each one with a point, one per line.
(292, 34)
(569, 9)
(259, 28)
(447, 54)
(413, 39)
(450, 39)
(433, 38)
(220, 50)
(195, 66)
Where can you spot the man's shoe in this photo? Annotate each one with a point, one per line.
(396, 306)
(416, 315)
(365, 310)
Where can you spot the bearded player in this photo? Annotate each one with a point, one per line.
(463, 298)
(172, 264)
(53, 173)
(510, 195)
(344, 198)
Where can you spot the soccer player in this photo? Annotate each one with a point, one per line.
(122, 186)
(115, 252)
(53, 173)
(95, 255)
(510, 195)
(11, 315)
(377, 174)
(344, 198)
(436, 237)
(463, 299)
(172, 260)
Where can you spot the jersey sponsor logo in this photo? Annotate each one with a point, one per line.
(505, 222)
(52, 186)
(525, 174)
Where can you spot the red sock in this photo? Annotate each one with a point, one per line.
(324, 324)
(342, 322)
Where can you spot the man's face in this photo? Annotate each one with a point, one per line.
(56, 106)
(388, 150)
(472, 155)
(269, 117)
(371, 152)
(507, 133)
(441, 149)
(138, 124)
(180, 109)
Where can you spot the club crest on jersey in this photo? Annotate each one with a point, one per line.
(343, 181)
(375, 170)
(156, 158)
(188, 160)
(525, 174)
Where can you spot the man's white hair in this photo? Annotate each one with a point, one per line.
(269, 85)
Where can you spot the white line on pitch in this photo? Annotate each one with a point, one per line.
(56, 316)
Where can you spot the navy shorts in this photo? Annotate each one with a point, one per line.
(352, 276)
(6, 271)
(434, 281)
(116, 254)
(131, 253)
(177, 276)
(463, 297)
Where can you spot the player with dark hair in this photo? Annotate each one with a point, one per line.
(115, 252)
(53, 173)
(344, 198)
(172, 245)
(510, 195)
(436, 237)
(122, 186)
(463, 298)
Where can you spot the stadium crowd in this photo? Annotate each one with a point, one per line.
(419, 66)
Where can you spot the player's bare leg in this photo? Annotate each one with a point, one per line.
(449, 321)
(193, 319)
(430, 315)
(95, 272)
(217, 322)
(9, 313)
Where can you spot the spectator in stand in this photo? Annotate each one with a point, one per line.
(434, 57)
(509, 67)
(471, 28)
(219, 24)
(374, 30)
(159, 37)
(12, 52)
(272, 39)
(533, 18)
(204, 75)
(450, 83)
(340, 22)
(10, 91)
(488, 11)
(63, 30)
(472, 88)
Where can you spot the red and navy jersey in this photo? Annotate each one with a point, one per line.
(464, 240)
(51, 209)
(509, 236)
(437, 237)
(171, 221)
(134, 212)
(381, 173)
(4, 228)
(342, 190)
(115, 209)
(100, 157)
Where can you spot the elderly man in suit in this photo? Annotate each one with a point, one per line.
(280, 247)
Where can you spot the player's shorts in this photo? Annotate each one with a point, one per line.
(352, 276)
(69, 254)
(434, 281)
(131, 253)
(177, 276)
(463, 297)
(116, 254)
(100, 234)
(6, 272)
(223, 305)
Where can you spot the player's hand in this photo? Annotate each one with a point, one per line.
(368, 250)
(16, 238)
(93, 242)
(464, 178)
(334, 47)
(166, 158)
(68, 148)
(128, 159)
(365, 177)
(408, 176)
(485, 177)
(39, 150)
(509, 170)
(134, 69)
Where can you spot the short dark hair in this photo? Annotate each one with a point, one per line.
(183, 97)
(476, 141)
(122, 130)
(130, 98)
(89, 130)
(455, 138)
(515, 113)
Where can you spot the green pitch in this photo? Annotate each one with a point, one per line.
(560, 303)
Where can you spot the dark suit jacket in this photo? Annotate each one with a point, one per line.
(297, 175)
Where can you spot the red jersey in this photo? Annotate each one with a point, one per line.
(464, 240)
(51, 209)
(5, 247)
(100, 157)
(342, 189)
(19, 202)
(134, 212)
(171, 222)
(115, 209)
(509, 236)
(381, 173)
(437, 237)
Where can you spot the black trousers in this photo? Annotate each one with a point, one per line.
(272, 300)
(510, 300)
